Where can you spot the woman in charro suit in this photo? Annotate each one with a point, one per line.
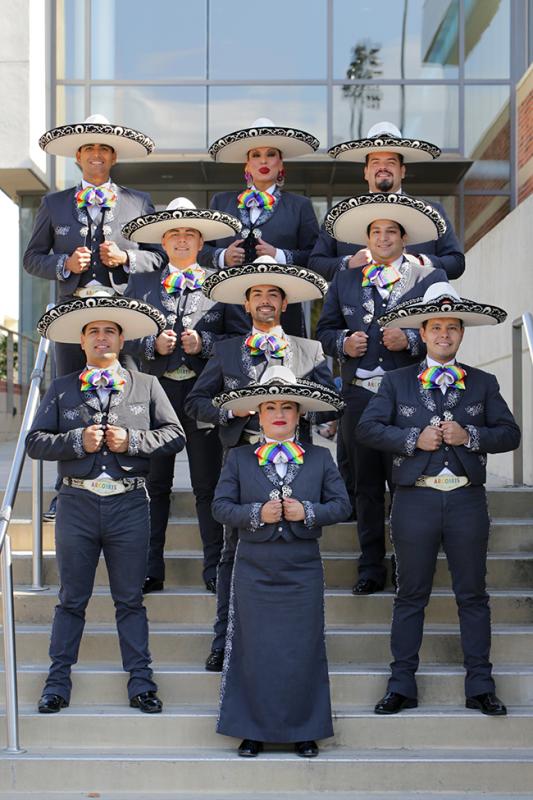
(275, 685)
(275, 223)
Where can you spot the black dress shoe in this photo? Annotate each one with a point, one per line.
(51, 703)
(367, 586)
(393, 702)
(211, 585)
(215, 661)
(307, 749)
(152, 585)
(487, 703)
(249, 748)
(50, 515)
(147, 702)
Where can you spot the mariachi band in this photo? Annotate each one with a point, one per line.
(185, 328)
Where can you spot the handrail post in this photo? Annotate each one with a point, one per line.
(8, 615)
(518, 454)
(37, 525)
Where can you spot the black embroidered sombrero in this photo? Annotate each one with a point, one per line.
(230, 285)
(65, 322)
(348, 220)
(441, 300)
(233, 148)
(67, 139)
(279, 383)
(181, 213)
(385, 137)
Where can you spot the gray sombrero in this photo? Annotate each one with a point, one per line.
(279, 383)
(181, 213)
(387, 138)
(233, 148)
(348, 220)
(230, 285)
(64, 322)
(441, 300)
(67, 139)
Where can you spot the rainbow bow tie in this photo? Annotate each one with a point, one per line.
(436, 377)
(101, 379)
(186, 279)
(101, 196)
(266, 343)
(252, 198)
(280, 453)
(380, 275)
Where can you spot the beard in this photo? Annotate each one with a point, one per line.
(384, 184)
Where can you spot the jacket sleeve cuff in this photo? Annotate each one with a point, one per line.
(475, 440)
(77, 443)
(133, 442)
(208, 340)
(309, 514)
(255, 516)
(409, 445)
(61, 273)
(413, 341)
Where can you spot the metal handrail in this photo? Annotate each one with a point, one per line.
(6, 567)
(525, 322)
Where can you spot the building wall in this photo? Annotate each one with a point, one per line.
(524, 93)
(498, 271)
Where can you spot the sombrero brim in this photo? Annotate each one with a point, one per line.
(64, 322)
(67, 139)
(299, 284)
(414, 312)
(211, 224)
(348, 220)
(310, 396)
(412, 150)
(233, 148)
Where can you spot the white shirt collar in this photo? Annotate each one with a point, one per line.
(270, 189)
(432, 363)
(277, 330)
(114, 367)
(85, 183)
(172, 268)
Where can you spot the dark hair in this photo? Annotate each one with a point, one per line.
(461, 323)
(402, 229)
(280, 290)
(400, 157)
(111, 321)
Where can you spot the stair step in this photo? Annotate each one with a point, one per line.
(511, 570)
(342, 608)
(350, 684)
(355, 644)
(195, 726)
(506, 770)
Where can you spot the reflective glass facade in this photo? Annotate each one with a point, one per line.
(188, 71)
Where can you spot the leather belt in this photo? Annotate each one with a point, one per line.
(443, 483)
(182, 373)
(370, 384)
(95, 291)
(106, 486)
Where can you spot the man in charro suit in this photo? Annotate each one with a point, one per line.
(439, 419)
(349, 331)
(177, 357)
(266, 288)
(77, 237)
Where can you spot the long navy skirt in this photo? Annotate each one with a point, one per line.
(275, 683)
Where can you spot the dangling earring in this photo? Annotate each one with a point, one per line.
(248, 179)
(280, 179)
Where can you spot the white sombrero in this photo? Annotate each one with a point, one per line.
(233, 148)
(279, 383)
(348, 220)
(67, 139)
(181, 213)
(385, 137)
(230, 285)
(441, 300)
(64, 323)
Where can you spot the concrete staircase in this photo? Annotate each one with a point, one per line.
(439, 750)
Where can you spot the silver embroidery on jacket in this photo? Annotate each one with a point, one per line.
(133, 443)
(475, 440)
(411, 440)
(71, 413)
(309, 514)
(406, 411)
(255, 516)
(475, 409)
(78, 443)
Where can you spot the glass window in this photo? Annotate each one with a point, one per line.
(173, 116)
(482, 213)
(487, 38)
(426, 112)
(263, 42)
(70, 107)
(487, 136)
(70, 39)
(234, 107)
(130, 43)
(395, 39)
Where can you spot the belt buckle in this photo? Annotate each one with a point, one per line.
(104, 487)
(442, 483)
